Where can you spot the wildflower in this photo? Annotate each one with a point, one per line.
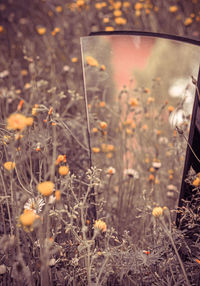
(138, 6)
(28, 218)
(150, 100)
(152, 170)
(16, 121)
(156, 165)
(131, 173)
(151, 178)
(170, 108)
(146, 252)
(92, 61)
(129, 131)
(120, 21)
(117, 13)
(133, 102)
(94, 130)
(117, 5)
(144, 127)
(41, 30)
(103, 125)
(55, 31)
(1, 29)
(96, 149)
(188, 21)
(111, 171)
(9, 166)
(100, 225)
(106, 20)
(196, 182)
(59, 159)
(74, 60)
(109, 29)
(45, 188)
(110, 147)
(157, 211)
(109, 155)
(126, 4)
(80, 3)
(59, 9)
(29, 121)
(173, 9)
(98, 6)
(102, 104)
(63, 170)
(34, 204)
(37, 149)
(58, 195)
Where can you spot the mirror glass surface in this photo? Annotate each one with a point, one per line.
(138, 89)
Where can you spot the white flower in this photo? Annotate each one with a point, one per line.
(177, 118)
(172, 188)
(131, 173)
(156, 165)
(163, 140)
(35, 204)
(111, 171)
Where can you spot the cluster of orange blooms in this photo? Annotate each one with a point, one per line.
(18, 121)
(63, 170)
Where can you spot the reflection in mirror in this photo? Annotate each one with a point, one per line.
(139, 89)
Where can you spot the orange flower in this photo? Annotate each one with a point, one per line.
(117, 13)
(100, 225)
(151, 178)
(152, 170)
(170, 108)
(9, 166)
(102, 104)
(19, 107)
(1, 29)
(109, 29)
(109, 155)
(120, 21)
(59, 159)
(138, 6)
(45, 188)
(63, 170)
(126, 4)
(41, 30)
(80, 3)
(74, 60)
(96, 149)
(117, 5)
(133, 102)
(94, 130)
(29, 121)
(157, 211)
(58, 195)
(59, 9)
(106, 20)
(16, 121)
(196, 182)
(103, 125)
(55, 31)
(28, 217)
(188, 21)
(173, 9)
(92, 61)
(150, 100)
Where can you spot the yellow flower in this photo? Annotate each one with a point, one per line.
(28, 217)
(98, 6)
(133, 102)
(117, 13)
(74, 60)
(59, 159)
(41, 30)
(103, 125)
(188, 21)
(29, 121)
(96, 149)
(173, 9)
(16, 121)
(157, 211)
(100, 225)
(59, 9)
(92, 61)
(120, 21)
(117, 5)
(109, 155)
(24, 72)
(45, 188)
(109, 29)
(126, 4)
(55, 31)
(80, 3)
(152, 170)
(94, 130)
(9, 166)
(63, 170)
(27, 85)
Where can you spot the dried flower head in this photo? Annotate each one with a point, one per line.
(45, 188)
(34, 204)
(100, 225)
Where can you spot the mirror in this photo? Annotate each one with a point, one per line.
(138, 90)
